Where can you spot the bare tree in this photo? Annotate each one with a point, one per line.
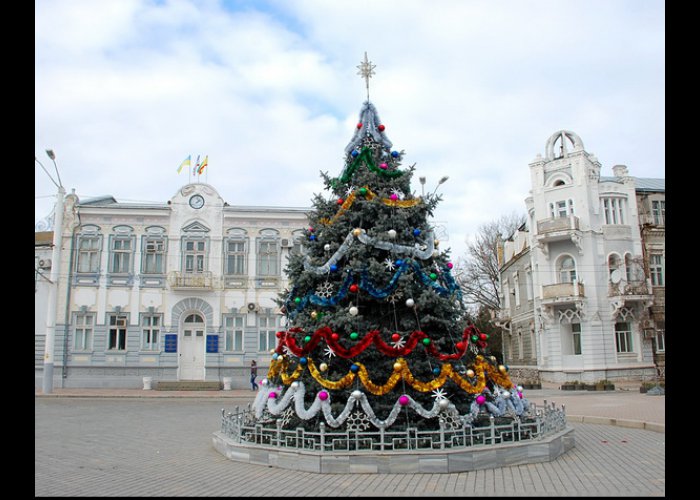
(477, 273)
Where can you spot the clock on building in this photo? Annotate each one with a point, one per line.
(197, 201)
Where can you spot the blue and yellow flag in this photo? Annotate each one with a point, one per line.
(186, 161)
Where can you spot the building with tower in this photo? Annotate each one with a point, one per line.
(583, 284)
(183, 290)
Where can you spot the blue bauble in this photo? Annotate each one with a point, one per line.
(399, 263)
(354, 368)
(354, 153)
(334, 267)
(416, 232)
(302, 361)
(312, 237)
(436, 371)
(395, 154)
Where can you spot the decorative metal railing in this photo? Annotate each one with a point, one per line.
(241, 426)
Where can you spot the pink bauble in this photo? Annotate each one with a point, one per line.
(272, 395)
(480, 400)
(403, 400)
(383, 166)
(323, 395)
(394, 196)
(449, 265)
(520, 395)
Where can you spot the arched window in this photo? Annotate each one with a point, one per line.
(567, 269)
(614, 263)
(559, 183)
(194, 318)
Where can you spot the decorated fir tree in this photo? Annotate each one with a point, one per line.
(376, 335)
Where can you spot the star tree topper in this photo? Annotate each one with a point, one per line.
(366, 70)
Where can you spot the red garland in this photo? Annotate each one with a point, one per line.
(286, 338)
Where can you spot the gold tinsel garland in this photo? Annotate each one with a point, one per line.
(481, 368)
(369, 195)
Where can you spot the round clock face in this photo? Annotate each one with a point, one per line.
(196, 201)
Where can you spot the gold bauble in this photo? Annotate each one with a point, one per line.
(501, 368)
(323, 367)
(314, 314)
(470, 373)
(357, 231)
(397, 366)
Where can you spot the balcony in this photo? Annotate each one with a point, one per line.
(562, 294)
(631, 294)
(191, 281)
(558, 229)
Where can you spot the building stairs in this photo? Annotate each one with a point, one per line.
(188, 385)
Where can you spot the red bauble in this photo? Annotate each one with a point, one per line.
(460, 345)
(279, 335)
(334, 336)
(395, 337)
(359, 125)
(353, 288)
(482, 336)
(340, 201)
(381, 128)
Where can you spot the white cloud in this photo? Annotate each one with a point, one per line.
(126, 89)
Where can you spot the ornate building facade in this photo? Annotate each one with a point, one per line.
(583, 286)
(183, 290)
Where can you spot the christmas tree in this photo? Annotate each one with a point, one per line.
(376, 332)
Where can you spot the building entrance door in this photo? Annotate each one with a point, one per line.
(192, 348)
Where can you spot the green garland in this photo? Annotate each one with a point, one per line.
(365, 155)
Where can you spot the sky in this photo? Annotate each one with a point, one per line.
(125, 90)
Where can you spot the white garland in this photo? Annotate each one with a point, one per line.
(418, 251)
(276, 406)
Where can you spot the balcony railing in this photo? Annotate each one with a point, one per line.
(633, 288)
(199, 281)
(557, 224)
(562, 291)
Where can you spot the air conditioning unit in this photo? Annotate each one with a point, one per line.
(45, 263)
(286, 243)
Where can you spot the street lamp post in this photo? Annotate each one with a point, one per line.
(47, 383)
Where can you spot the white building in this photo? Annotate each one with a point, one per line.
(576, 287)
(183, 290)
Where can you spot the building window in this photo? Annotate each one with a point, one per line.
(656, 269)
(660, 338)
(658, 211)
(89, 254)
(576, 337)
(613, 209)
(194, 255)
(116, 339)
(567, 270)
(623, 337)
(516, 289)
(233, 333)
(614, 264)
(236, 258)
(560, 209)
(528, 284)
(154, 256)
(121, 255)
(520, 344)
(150, 332)
(267, 333)
(84, 324)
(268, 258)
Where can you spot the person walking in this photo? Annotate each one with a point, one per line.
(253, 374)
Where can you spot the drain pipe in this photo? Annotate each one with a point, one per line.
(66, 320)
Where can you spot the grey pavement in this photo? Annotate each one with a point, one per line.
(131, 442)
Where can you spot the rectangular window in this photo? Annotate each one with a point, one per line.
(233, 333)
(267, 333)
(89, 254)
(117, 332)
(516, 289)
(623, 337)
(154, 256)
(121, 255)
(84, 324)
(561, 209)
(150, 332)
(194, 256)
(606, 211)
(658, 210)
(235, 258)
(660, 340)
(576, 337)
(268, 258)
(656, 268)
(528, 284)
